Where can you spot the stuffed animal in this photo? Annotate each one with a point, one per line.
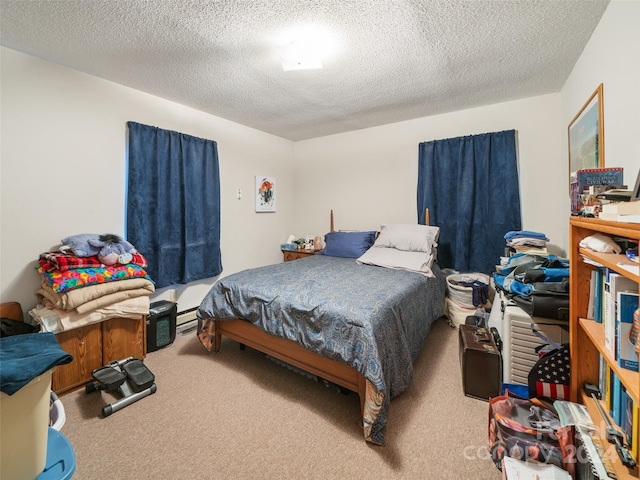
(109, 248)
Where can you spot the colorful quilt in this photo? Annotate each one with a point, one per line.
(62, 281)
(373, 319)
(50, 261)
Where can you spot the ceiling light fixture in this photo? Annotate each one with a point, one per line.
(304, 48)
(301, 54)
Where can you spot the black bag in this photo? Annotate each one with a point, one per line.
(9, 327)
(545, 305)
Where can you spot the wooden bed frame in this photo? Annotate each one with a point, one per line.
(290, 352)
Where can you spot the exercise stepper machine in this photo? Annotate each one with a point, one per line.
(129, 376)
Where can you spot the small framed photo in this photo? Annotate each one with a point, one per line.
(265, 194)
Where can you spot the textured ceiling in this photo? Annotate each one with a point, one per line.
(392, 60)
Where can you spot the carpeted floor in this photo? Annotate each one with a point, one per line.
(237, 414)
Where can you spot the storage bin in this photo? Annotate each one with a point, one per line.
(61, 460)
(24, 425)
(457, 314)
(520, 390)
(462, 295)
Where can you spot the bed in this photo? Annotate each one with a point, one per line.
(338, 315)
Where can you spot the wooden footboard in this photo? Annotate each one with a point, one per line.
(293, 354)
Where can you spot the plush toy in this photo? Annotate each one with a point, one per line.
(109, 248)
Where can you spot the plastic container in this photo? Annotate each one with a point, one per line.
(57, 415)
(61, 460)
(24, 426)
(521, 390)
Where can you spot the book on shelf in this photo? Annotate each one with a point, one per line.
(621, 208)
(585, 184)
(614, 283)
(616, 399)
(591, 309)
(634, 430)
(596, 293)
(627, 303)
(603, 379)
(635, 269)
(619, 217)
(630, 423)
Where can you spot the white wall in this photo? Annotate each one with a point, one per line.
(62, 165)
(369, 177)
(612, 57)
(63, 170)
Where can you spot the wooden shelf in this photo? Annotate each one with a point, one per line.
(595, 331)
(587, 337)
(615, 262)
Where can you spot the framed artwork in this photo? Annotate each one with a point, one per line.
(635, 195)
(586, 135)
(265, 194)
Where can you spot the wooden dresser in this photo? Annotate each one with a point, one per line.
(290, 255)
(95, 345)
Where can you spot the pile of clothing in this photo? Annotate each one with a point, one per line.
(89, 279)
(530, 243)
(539, 284)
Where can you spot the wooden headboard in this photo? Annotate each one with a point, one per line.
(426, 218)
(12, 310)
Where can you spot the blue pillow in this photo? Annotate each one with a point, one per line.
(348, 244)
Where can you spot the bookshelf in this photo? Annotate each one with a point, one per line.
(587, 338)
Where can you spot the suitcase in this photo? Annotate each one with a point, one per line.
(480, 362)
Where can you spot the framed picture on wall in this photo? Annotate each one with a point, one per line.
(265, 194)
(586, 134)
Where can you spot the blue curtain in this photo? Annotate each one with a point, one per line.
(470, 185)
(173, 204)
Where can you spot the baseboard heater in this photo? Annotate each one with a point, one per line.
(186, 321)
(186, 316)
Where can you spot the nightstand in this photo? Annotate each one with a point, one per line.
(290, 255)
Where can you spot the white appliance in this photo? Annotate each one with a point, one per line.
(518, 341)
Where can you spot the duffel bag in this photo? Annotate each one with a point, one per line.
(546, 305)
(528, 430)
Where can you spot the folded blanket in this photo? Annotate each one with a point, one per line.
(91, 297)
(50, 261)
(80, 277)
(52, 318)
(25, 357)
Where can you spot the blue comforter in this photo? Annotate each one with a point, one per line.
(373, 319)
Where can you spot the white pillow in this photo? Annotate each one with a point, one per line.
(408, 237)
(600, 243)
(419, 262)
